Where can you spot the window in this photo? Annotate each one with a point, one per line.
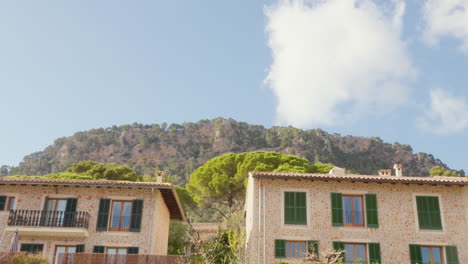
(428, 212)
(296, 249)
(55, 211)
(116, 255)
(32, 248)
(431, 255)
(355, 253)
(61, 255)
(10, 203)
(353, 210)
(120, 216)
(295, 208)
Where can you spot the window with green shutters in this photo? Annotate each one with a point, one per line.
(374, 253)
(3, 201)
(132, 250)
(99, 249)
(415, 254)
(313, 244)
(451, 254)
(338, 245)
(103, 215)
(280, 248)
(372, 215)
(80, 248)
(337, 209)
(295, 208)
(429, 212)
(137, 213)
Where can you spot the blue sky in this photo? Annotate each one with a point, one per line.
(394, 69)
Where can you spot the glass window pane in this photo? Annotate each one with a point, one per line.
(349, 254)
(122, 251)
(71, 250)
(348, 219)
(51, 205)
(115, 223)
(127, 212)
(12, 203)
(59, 250)
(426, 255)
(436, 255)
(358, 219)
(361, 254)
(111, 251)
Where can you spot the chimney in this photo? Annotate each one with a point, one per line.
(159, 176)
(385, 172)
(398, 170)
(337, 171)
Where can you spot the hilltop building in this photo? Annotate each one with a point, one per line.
(56, 216)
(375, 218)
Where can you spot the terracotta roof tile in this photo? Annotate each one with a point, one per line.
(460, 181)
(11, 180)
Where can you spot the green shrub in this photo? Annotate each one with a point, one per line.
(30, 259)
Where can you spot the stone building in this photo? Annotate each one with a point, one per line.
(375, 218)
(54, 216)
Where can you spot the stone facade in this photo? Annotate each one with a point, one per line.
(397, 215)
(152, 238)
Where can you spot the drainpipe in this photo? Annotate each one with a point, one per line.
(259, 219)
(264, 224)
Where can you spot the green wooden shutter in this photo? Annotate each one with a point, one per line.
(137, 212)
(337, 245)
(287, 208)
(415, 254)
(80, 248)
(295, 208)
(434, 213)
(103, 215)
(314, 244)
(452, 254)
(371, 211)
(3, 200)
(374, 253)
(301, 208)
(428, 212)
(132, 250)
(337, 209)
(99, 249)
(280, 248)
(70, 212)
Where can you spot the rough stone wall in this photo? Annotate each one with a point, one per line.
(32, 198)
(398, 223)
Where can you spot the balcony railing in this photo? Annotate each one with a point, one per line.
(48, 218)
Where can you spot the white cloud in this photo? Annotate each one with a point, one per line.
(446, 18)
(334, 60)
(448, 114)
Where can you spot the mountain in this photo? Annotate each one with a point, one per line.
(178, 149)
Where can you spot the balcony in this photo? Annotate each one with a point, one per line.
(49, 223)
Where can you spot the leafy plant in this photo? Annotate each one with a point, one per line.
(30, 259)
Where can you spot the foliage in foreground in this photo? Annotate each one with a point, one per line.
(30, 259)
(179, 237)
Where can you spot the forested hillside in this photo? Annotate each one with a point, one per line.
(179, 149)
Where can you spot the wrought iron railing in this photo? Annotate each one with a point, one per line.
(48, 218)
